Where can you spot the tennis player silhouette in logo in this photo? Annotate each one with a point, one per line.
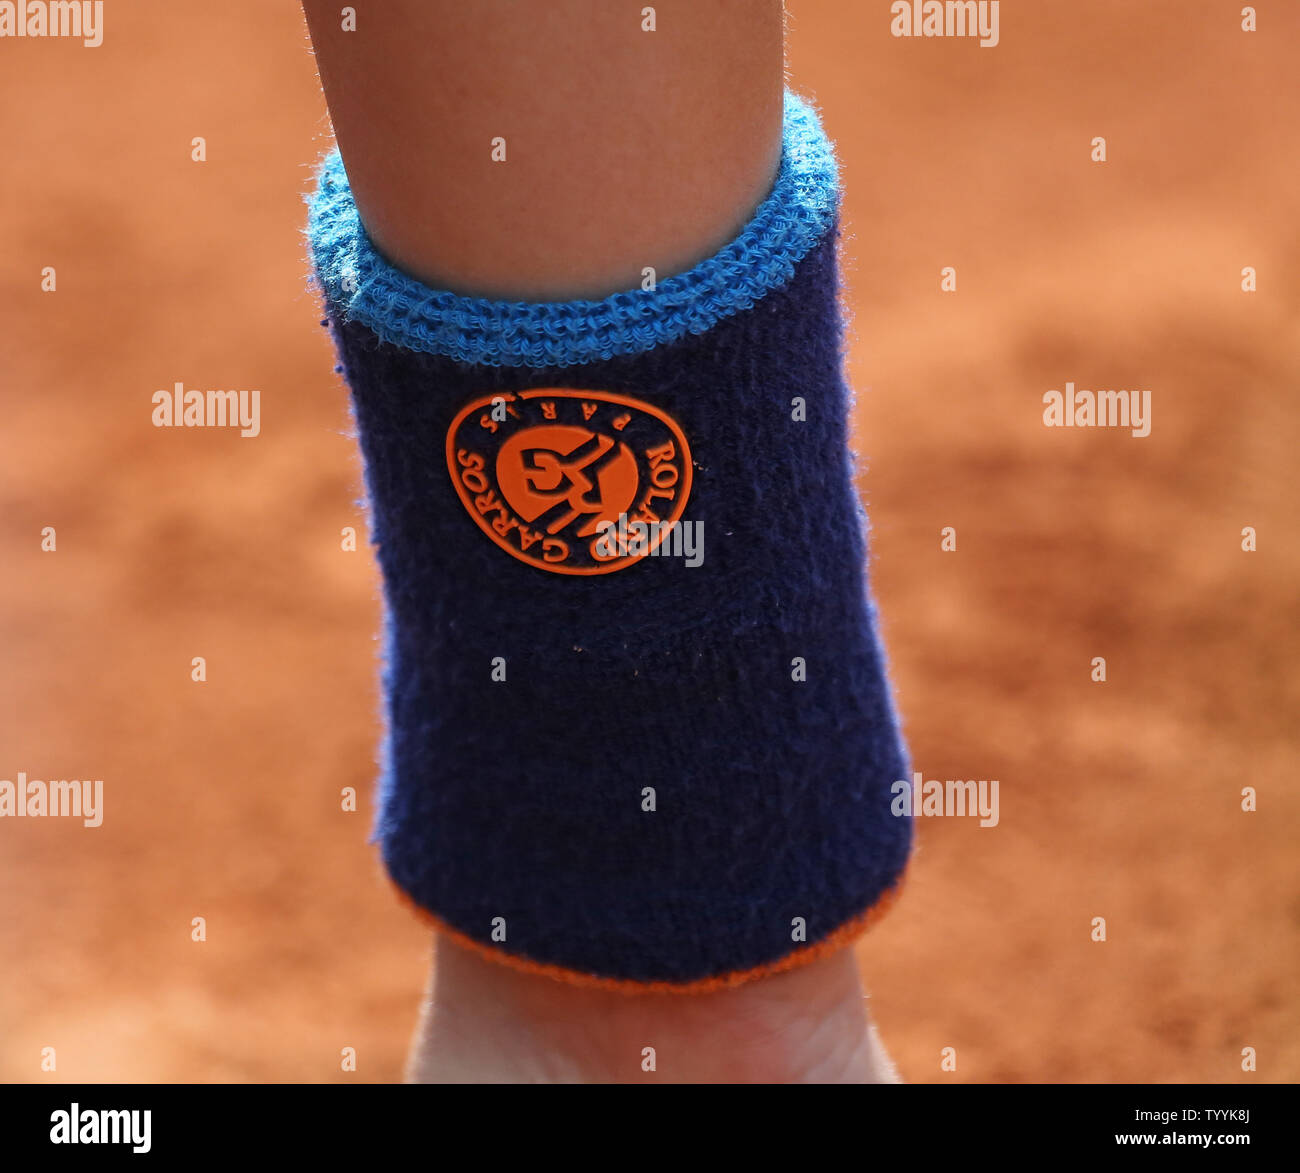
(565, 474)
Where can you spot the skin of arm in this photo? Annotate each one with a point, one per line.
(624, 149)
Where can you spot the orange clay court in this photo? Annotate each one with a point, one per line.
(1119, 800)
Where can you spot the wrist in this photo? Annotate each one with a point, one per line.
(488, 1023)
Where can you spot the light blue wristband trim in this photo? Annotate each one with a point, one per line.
(361, 286)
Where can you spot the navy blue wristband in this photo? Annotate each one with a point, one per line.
(640, 731)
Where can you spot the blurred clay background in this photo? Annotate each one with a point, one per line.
(1119, 800)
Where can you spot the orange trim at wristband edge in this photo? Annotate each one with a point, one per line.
(839, 939)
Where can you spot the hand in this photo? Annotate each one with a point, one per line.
(486, 1023)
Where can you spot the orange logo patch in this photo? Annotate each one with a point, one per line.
(545, 472)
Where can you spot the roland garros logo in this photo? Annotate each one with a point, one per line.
(544, 473)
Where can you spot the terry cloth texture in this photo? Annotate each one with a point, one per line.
(629, 769)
